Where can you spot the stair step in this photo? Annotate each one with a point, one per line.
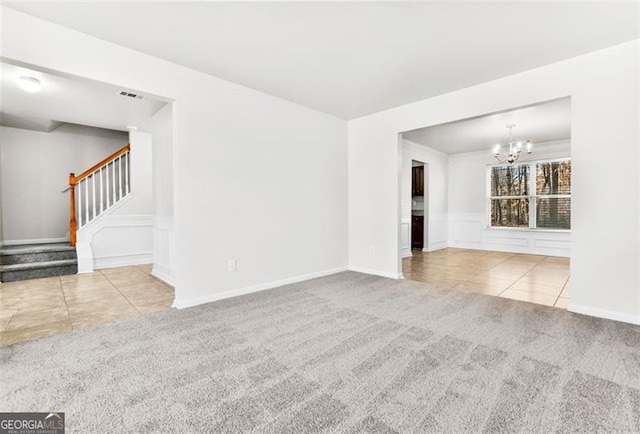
(34, 261)
(37, 265)
(35, 248)
(36, 253)
(37, 270)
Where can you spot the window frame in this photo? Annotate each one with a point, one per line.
(532, 196)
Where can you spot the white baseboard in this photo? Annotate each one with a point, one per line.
(123, 260)
(406, 254)
(181, 304)
(606, 314)
(35, 241)
(436, 246)
(163, 273)
(388, 275)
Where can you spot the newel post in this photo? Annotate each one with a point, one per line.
(72, 209)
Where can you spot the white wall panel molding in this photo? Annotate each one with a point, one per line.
(163, 249)
(405, 237)
(469, 231)
(119, 240)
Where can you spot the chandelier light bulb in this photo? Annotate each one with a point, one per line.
(29, 84)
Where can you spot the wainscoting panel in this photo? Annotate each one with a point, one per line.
(470, 231)
(438, 232)
(164, 248)
(405, 237)
(119, 240)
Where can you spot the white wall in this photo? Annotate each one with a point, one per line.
(35, 167)
(468, 217)
(257, 179)
(163, 179)
(603, 87)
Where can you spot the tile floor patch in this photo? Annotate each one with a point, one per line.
(36, 308)
(531, 278)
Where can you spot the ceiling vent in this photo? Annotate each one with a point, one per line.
(130, 94)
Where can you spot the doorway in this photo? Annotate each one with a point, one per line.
(498, 226)
(418, 204)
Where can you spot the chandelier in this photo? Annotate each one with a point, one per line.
(514, 148)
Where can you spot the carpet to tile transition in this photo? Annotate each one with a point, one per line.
(345, 353)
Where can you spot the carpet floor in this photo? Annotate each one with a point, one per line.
(346, 353)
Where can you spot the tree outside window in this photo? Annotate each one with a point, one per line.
(519, 200)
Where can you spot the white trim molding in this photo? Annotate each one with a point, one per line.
(606, 314)
(181, 304)
(123, 260)
(386, 274)
(130, 241)
(34, 241)
(163, 273)
(470, 231)
(405, 237)
(164, 249)
(433, 247)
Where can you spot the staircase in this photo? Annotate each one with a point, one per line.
(91, 194)
(35, 261)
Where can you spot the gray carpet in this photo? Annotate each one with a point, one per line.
(346, 353)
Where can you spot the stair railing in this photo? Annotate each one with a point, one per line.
(98, 189)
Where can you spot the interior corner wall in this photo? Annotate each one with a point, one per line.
(603, 87)
(257, 180)
(468, 215)
(35, 169)
(163, 179)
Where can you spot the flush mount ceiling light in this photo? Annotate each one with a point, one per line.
(514, 148)
(30, 84)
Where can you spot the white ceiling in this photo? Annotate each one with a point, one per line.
(353, 59)
(66, 99)
(541, 123)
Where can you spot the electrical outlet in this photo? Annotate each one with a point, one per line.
(232, 265)
(372, 251)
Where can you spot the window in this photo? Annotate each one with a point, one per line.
(531, 195)
(510, 196)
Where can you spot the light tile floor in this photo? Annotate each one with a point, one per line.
(35, 308)
(531, 278)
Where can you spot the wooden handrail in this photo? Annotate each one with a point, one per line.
(74, 180)
(95, 167)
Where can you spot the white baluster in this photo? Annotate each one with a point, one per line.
(101, 192)
(120, 177)
(86, 197)
(106, 187)
(93, 193)
(127, 190)
(113, 180)
(79, 193)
